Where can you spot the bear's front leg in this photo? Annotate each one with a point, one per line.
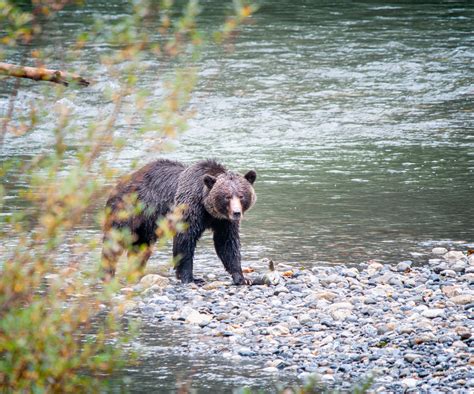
(227, 245)
(183, 254)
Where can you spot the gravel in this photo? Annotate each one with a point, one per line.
(408, 326)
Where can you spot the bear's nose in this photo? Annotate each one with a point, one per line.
(236, 215)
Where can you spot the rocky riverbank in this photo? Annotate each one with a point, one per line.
(410, 327)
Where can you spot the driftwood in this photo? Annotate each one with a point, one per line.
(41, 74)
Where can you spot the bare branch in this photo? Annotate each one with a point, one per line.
(42, 74)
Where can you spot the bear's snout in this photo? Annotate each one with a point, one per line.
(235, 209)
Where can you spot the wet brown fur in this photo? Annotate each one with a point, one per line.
(206, 189)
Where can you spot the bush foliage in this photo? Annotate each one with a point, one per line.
(59, 331)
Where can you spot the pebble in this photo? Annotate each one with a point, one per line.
(469, 278)
(409, 323)
(448, 273)
(454, 255)
(410, 383)
(463, 332)
(153, 280)
(410, 357)
(433, 313)
(404, 266)
(246, 352)
(462, 299)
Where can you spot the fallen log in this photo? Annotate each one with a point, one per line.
(41, 74)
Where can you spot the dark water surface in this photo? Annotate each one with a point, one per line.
(357, 116)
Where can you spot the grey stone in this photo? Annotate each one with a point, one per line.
(459, 266)
(410, 383)
(411, 357)
(462, 299)
(454, 255)
(433, 313)
(469, 278)
(246, 352)
(404, 266)
(281, 290)
(194, 317)
(153, 279)
(448, 273)
(463, 332)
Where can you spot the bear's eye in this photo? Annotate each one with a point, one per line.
(228, 198)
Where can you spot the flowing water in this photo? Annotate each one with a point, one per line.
(357, 117)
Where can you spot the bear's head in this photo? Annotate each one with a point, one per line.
(229, 194)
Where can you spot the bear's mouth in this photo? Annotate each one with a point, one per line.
(236, 217)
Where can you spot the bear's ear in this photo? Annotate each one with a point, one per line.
(251, 176)
(209, 181)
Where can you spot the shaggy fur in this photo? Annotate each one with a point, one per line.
(214, 199)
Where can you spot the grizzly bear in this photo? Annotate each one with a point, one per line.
(213, 198)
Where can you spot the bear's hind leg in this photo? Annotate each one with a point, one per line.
(139, 256)
(110, 256)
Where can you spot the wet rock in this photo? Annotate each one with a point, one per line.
(305, 318)
(463, 332)
(246, 352)
(433, 313)
(341, 314)
(469, 278)
(351, 272)
(409, 282)
(453, 256)
(184, 312)
(271, 370)
(459, 266)
(470, 259)
(214, 285)
(341, 305)
(439, 250)
(154, 289)
(324, 295)
(452, 291)
(374, 268)
(395, 282)
(276, 303)
(409, 383)
(411, 357)
(327, 280)
(423, 338)
(448, 273)
(370, 301)
(153, 280)
(460, 345)
(326, 340)
(462, 299)
(440, 267)
(279, 330)
(281, 290)
(404, 266)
